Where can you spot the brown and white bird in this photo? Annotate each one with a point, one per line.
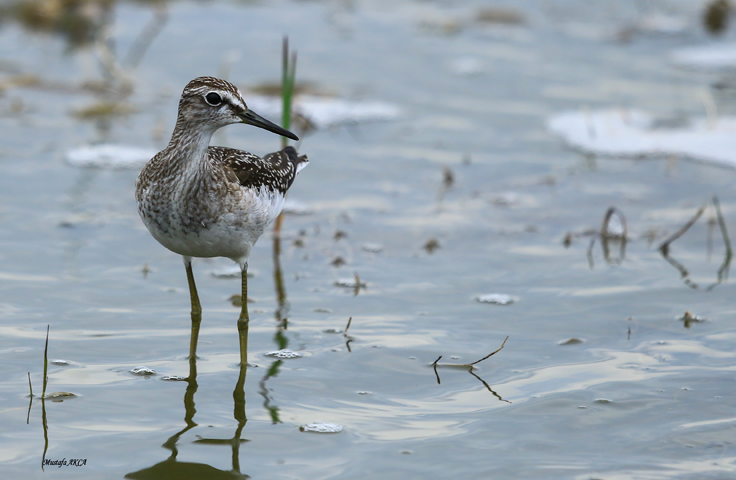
(203, 201)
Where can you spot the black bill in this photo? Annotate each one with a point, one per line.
(252, 118)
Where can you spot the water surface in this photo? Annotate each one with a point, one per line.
(638, 396)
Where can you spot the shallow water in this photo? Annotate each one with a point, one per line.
(639, 395)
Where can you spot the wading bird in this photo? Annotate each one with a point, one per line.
(203, 201)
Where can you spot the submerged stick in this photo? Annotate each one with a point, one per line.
(664, 247)
(30, 403)
(435, 370)
(726, 265)
(722, 225)
(470, 371)
(589, 253)
(607, 218)
(490, 354)
(45, 363)
(472, 364)
(488, 387)
(347, 337)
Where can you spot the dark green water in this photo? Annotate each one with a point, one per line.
(642, 397)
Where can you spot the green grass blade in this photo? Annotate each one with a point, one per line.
(288, 80)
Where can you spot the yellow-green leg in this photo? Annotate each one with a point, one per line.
(239, 412)
(243, 320)
(196, 308)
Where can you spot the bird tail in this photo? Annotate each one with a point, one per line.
(299, 161)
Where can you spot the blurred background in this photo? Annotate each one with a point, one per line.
(556, 171)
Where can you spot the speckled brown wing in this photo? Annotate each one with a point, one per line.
(276, 171)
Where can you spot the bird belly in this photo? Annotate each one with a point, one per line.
(231, 233)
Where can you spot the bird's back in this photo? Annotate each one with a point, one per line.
(275, 171)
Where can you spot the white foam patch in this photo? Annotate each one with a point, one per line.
(717, 56)
(284, 353)
(496, 299)
(142, 370)
(326, 112)
(321, 427)
(229, 271)
(109, 156)
(630, 133)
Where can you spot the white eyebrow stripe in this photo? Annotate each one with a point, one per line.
(233, 100)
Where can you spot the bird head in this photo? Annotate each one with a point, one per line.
(215, 103)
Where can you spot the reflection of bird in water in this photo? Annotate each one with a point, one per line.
(203, 201)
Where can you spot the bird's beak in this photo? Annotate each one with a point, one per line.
(252, 118)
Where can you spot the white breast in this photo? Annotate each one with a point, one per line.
(232, 234)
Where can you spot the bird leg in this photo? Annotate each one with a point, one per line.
(196, 309)
(243, 320)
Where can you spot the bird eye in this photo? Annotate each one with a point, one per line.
(213, 99)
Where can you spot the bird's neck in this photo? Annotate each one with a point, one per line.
(189, 141)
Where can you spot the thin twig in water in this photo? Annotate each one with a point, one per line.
(490, 354)
(722, 224)
(435, 369)
(664, 247)
(350, 320)
(591, 262)
(607, 218)
(45, 362)
(347, 337)
(683, 271)
(470, 370)
(608, 236)
(488, 386)
(28, 417)
(726, 265)
(435, 364)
